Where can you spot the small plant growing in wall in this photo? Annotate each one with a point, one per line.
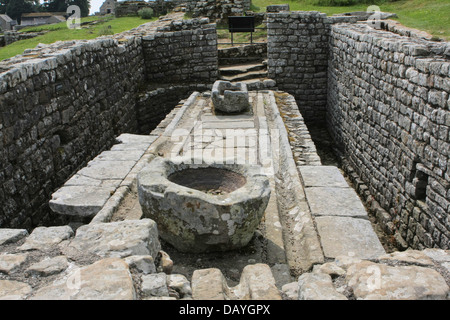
(146, 13)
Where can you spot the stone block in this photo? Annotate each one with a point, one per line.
(317, 286)
(348, 236)
(334, 201)
(116, 239)
(322, 176)
(44, 238)
(107, 279)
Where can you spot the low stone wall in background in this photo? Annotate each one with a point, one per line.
(243, 54)
(297, 51)
(185, 51)
(217, 9)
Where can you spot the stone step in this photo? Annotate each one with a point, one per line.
(241, 68)
(245, 76)
(239, 60)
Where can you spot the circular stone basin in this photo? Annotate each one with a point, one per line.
(210, 180)
(203, 207)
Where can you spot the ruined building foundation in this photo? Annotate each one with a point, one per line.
(81, 119)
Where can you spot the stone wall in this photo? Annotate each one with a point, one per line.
(185, 51)
(12, 36)
(217, 9)
(297, 52)
(388, 112)
(243, 54)
(61, 105)
(156, 102)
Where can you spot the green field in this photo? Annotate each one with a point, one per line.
(60, 32)
(432, 16)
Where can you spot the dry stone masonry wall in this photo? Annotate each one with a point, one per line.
(297, 52)
(63, 104)
(182, 52)
(388, 110)
(60, 106)
(217, 9)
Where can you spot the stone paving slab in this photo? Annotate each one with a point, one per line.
(228, 124)
(83, 201)
(322, 176)
(374, 281)
(107, 279)
(209, 118)
(120, 155)
(80, 180)
(331, 201)
(43, 238)
(116, 239)
(87, 192)
(348, 236)
(107, 170)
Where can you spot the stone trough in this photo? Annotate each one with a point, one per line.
(230, 97)
(203, 207)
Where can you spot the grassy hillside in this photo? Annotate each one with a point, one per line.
(59, 32)
(432, 16)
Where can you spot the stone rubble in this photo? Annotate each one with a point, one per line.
(406, 275)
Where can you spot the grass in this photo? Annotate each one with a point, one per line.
(224, 35)
(432, 16)
(59, 32)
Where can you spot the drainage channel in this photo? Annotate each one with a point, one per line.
(286, 238)
(296, 231)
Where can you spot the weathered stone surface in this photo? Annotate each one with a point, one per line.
(107, 279)
(442, 257)
(230, 97)
(117, 239)
(13, 290)
(322, 176)
(107, 169)
(290, 290)
(144, 264)
(165, 264)
(332, 201)
(329, 268)
(257, 283)
(83, 201)
(408, 256)
(11, 235)
(155, 285)
(9, 263)
(209, 284)
(391, 157)
(281, 274)
(195, 220)
(43, 238)
(345, 261)
(372, 281)
(277, 8)
(317, 286)
(180, 284)
(348, 236)
(48, 267)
